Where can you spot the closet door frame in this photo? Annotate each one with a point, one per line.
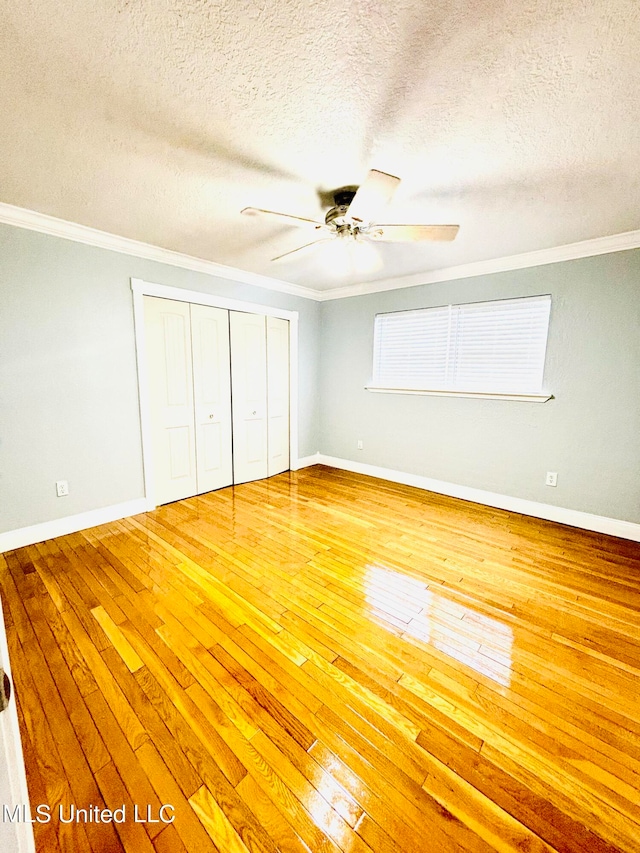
(141, 289)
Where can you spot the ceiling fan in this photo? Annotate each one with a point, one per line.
(353, 216)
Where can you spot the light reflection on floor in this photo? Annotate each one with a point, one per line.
(333, 810)
(407, 607)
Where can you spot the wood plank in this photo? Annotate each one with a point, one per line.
(124, 759)
(216, 823)
(183, 773)
(132, 835)
(514, 795)
(118, 640)
(284, 835)
(84, 728)
(187, 826)
(113, 696)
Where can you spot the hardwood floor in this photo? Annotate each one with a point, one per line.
(327, 662)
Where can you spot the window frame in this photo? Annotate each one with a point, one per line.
(526, 396)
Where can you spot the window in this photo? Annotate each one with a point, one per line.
(495, 348)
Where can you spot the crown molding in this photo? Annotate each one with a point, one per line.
(32, 220)
(568, 252)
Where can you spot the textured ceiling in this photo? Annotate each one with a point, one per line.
(160, 120)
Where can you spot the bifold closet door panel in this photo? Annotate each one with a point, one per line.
(170, 388)
(249, 383)
(212, 396)
(278, 394)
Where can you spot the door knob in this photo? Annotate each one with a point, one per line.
(254, 413)
(211, 417)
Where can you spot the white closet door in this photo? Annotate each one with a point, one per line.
(212, 396)
(168, 342)
(249, 380)
(278, 394)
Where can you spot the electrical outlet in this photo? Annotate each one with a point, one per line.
(360, 445)
(552, 478)
(62, 488)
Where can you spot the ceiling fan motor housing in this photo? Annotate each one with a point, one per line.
(342, 200)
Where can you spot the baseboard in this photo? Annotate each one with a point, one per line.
(572, 517)
(575, 518)
(306, 461)
(70, 524)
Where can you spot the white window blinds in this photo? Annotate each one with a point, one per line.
(483, 347)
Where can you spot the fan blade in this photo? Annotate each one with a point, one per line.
(300, 221)
(412, 233)
(372, 196)
(306, 246)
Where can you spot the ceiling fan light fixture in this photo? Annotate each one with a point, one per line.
(366, 258)
(351, 256)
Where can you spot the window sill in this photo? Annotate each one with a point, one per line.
(480, 395)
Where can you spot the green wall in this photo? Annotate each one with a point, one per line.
(68, 379)
(589, 434)
(69, 404)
